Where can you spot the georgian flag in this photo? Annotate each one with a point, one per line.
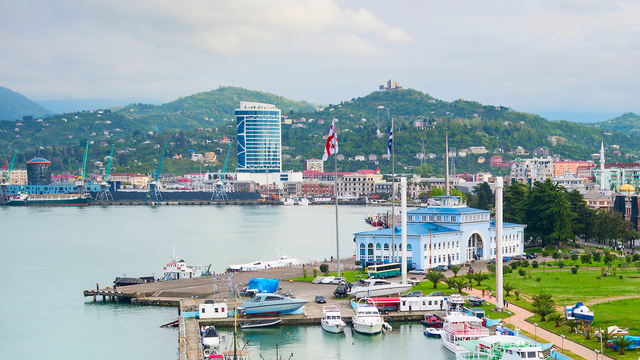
(332, 142)
(389, 147)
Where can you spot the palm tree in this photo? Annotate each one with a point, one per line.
(517, 293)
(435, 277)
(455, 269)
(479, 277)
(539, 280)
(508, 287)
(622, 342)
(458, 284)
(557, 317)
(543, 305)
(572, 324)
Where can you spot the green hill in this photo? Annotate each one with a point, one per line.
(198, 121)
(627, 123)
(14, 106)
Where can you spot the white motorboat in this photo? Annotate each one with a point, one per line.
(580, 312)
(264, 303)
(500, 347)
(458, 327)
(210, 336)
(433, 332)
(455, 301)
(366, 319)
(332, 320)
(282, 261)
(378, 287)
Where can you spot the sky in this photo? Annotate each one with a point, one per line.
(572, 59)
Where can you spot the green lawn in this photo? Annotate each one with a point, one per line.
(622, 313)
(562, 284)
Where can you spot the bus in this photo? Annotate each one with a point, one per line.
(384, 270)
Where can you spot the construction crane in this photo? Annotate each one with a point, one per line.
(5, 186)
(80, 182)
(153, 194)
(105, 194)
(218, 193)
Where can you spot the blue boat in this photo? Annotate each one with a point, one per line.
(266, 303)
(580, 312)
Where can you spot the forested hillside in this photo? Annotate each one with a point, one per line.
(14, 106)
(198, 121)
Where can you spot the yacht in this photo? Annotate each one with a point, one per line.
(455, 301)
(458, 327)
(264, 303)
(580, 312)
(500, 347)
(378, 287)
(332, 320)
(282, 261)
(366, 319)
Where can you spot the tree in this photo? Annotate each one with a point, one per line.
(557, 317)
(457, 283)
(435, 277)
(517, 293)
(492, 268)
(543, 305)
(623, 342)
(324, 268)
(514, 202)
(548, 213)
(455, 269)
(483, 197)
(508, 287)
(479, 277)
(586, 259)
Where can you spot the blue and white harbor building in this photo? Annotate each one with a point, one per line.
(449, 233)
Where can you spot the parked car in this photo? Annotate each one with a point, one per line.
(338, 280)
(518, 257)
(530, 255)
(492, 261)
(437, 293)
(440, 268)
(320, 299)
(506, 259)
(415, 293)
(574, 252)
(418, 272)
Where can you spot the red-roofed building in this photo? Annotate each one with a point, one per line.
(567, 167)
(495, 160)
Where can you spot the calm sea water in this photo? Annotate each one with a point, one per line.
(50, 256)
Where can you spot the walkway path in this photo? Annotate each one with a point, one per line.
(518, 319)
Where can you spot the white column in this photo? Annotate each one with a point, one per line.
(403, 204)
(499, 264)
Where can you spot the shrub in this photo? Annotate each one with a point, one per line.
(574, 257)
(574, 270)
(603, 270)
(315, 273)
(606, 252)
(636, 257)
(524, 263)
(522, 273)
(560, 264)
(304, 273)
(535, 264)
(514, 265)
(358, 262)
(324, 268)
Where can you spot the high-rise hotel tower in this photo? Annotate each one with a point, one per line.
(259, 138)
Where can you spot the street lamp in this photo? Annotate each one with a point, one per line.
(597, 351)
(535, 331)
(509, 318)
(430, 246)
(562, 336)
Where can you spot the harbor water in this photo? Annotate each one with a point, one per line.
(50, 255)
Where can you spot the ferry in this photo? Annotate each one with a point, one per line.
(459, 327)
(178, 269)
(25, 199)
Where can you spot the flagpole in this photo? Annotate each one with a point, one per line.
(393, 195)
(335, 188)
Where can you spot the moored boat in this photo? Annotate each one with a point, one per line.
(264, 303)
(24, 199)
(378, 287)
(431, 320)
(433, 332)
(366, 319)
(500, 347)
(210, 336)
(178, 269)
(260, 323)
(458, 327)
(474, 300)
(455, 301)
(331, 319)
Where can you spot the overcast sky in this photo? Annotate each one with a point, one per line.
(547, 57)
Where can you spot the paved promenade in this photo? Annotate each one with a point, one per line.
(518, 319)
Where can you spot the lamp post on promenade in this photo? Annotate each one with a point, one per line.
(562, 336)
(535, 331)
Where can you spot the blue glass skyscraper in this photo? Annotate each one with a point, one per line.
(259, 138)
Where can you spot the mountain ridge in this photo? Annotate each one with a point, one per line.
(14, 105)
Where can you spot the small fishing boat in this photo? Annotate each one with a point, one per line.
(433, 332)
(260, 323)
(476, 301)
(210, 337)
(332, 320)
(431, 320)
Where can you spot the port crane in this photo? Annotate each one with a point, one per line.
(218, 193)
(81, 178)
(5, 186)
(105, 194)
(153, 194)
